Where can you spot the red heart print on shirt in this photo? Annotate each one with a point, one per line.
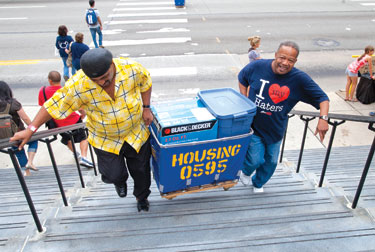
(277, 93)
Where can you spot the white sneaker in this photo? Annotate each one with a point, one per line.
(258, 190)
(246, 180)
(85, 162)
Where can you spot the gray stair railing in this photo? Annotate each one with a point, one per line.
(46, 136)
(334, 120)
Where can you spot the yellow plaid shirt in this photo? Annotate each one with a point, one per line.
(110, 122)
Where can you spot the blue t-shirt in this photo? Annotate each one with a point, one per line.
(275, 96)
(62, 43)
(78, 49)
(253, 55)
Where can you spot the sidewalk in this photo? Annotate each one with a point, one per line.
(215, 71)
(309, 218)
(348, 134)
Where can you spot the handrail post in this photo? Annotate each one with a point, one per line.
(76, 159)
(91, 153)
(283, 144)
(328, 152)
(365, 170)
(12, 155)
(53, 161)
(93, 160)
(306, 119)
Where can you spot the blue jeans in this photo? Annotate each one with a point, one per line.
(21, 155)
(261, 158)
(94, 31)
(66, 68)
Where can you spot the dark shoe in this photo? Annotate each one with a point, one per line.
(121, 190)
(66, 77)
(143, 205)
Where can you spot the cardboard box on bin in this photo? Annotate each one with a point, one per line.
(233, 111)
(182, 121)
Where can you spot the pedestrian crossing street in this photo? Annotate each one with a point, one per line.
(149, 23)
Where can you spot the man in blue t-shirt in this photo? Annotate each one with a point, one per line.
(275, 87)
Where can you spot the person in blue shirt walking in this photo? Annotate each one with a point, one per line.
(276, 86)
(95, 24)
(253, 53)
(78, 48)
(62, 42)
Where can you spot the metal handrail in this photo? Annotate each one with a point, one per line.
(335, 116)
(5, 143)
(6, 146)
(334, 120)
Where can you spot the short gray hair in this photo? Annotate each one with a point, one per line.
(289, 44)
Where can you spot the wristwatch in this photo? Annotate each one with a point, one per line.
(324, 117)
(146, 106)
(32, 128)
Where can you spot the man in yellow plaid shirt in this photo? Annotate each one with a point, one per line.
(115, 93)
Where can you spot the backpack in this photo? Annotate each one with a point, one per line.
(7, 126)
(91, 18)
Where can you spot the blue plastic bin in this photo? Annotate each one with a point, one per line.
(179, 3)
(180, 166)
(234, 111)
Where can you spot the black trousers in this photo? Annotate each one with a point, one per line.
(114, 168)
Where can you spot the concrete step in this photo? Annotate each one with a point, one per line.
(291, 215)
(343, 173)
(16, 222)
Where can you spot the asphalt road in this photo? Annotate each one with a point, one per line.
(208, 36)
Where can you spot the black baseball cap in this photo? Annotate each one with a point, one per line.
(96, 62)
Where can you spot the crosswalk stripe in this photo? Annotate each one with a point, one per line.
(168, 29)
(144, 3)
(22, 7)
(367, 4)
(131, 8)
(14, 18)
(146, 41)
(112, 32)
(149, 21)
(144, 8)
(147, 14)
